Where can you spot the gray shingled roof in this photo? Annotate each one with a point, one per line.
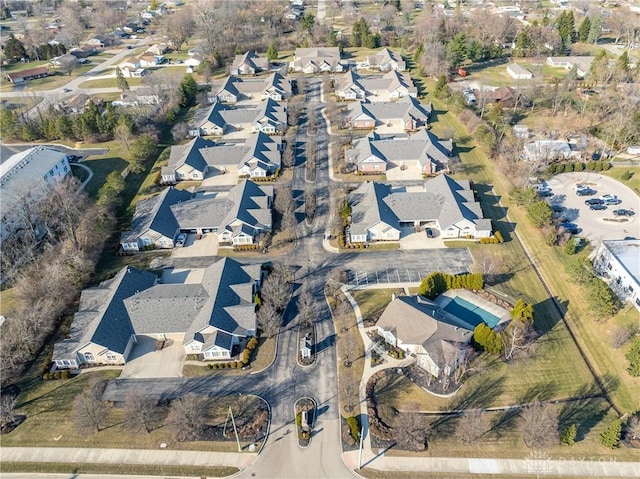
(259, 145)
(391, 110)
(416, 320)
(190, 154)
(155, 214)
(225, 309)
(165, 308)
(202, 212)
(443, 199)
(102, 317)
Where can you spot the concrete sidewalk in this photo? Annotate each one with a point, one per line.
(127, 456)
(538, 465)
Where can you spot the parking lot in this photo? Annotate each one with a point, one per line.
(376, 269)
(595, 225)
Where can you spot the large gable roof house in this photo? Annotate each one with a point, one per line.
(420, 327)
(384, 60)
(390, 86)
(102, 332)
(380, 212)
(316, 60)
(153, 225)
(372, 153)
(186, 162)
(235, 89)
(249, 64)
(407, 111)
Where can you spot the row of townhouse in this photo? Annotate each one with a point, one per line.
(390, 86)
(375, 154)
(380, 212)
(213, 317)
(269, 117)
(238, 218)
(258, 157)
(235, 89)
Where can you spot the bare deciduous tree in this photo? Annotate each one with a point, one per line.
(621, 335)
(310, 203)
(633, 427)
(7, 404)
(349, 390)
(269, 319)
(283, 199)
(89, 410)
(411, 429)
(539, 425)
(516, 337)
(141, 412)
(306, 305)
(472, 425)
(188, 416)
(178, 27)
(276, 291)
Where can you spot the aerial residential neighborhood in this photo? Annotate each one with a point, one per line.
(320, 238)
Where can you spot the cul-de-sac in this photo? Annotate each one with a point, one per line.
(381, 239)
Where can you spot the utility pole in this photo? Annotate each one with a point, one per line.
(235, 430)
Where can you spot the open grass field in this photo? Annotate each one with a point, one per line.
(119, 469)
(48, 406)
(591, 416)
(556, 349)
(109, 83)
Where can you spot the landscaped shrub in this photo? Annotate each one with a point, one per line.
(209, 366)
(354, 428)
(46, 376)
(488, 339)
(633, 356)
(436, 283)
(246, 355)
(253, 342)
(626, 175)
(570, 247)
(498, 235)
(57, 375)
(611, 436)
(568, 436)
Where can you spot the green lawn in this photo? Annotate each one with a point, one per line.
(48, 406)
(618, 171)
(120, 469)
(7, 301)
(109, 83)
(372, 302)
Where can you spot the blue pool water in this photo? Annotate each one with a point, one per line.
(471, 313)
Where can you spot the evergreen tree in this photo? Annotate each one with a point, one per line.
(121, 81)
(442, 89)
(623, 62)
(633, 356)
(611, 436)
(272, 52)
(584, 29)
(568, 436)
(14, 49)
(457, 50)
(596, 30)
(418, 53)
(189, 91)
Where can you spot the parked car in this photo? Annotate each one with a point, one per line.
(593, 201)
(74, 158)
(557, 208)
(545, 193)
(623, 212)
(612, 201)
(598, 207)
(586, 192)
(570, 227)
(182, 237)
(608, 197)
(429, 233)
(66, 90)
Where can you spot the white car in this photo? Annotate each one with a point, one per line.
(608, 197)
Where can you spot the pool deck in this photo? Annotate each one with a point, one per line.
(445, 298)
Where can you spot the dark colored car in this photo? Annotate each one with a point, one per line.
(429, 233)
(623, 212)
(594, 201)
(586, 192)
(598, 207)
(74, 158)
(570, 227)
(557, 208)
(545, 193)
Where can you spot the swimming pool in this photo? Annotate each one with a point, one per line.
(470, 313)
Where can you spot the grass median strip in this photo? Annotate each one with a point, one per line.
(122, 469)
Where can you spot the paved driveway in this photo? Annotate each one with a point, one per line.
(145, 362)
(595, 225)
(205, 246)
(395, 173)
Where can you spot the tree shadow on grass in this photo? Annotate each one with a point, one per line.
(545, 322)
(492, 209)
(584, 413)
(506, 422)
(481, 396)
(539, 393)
